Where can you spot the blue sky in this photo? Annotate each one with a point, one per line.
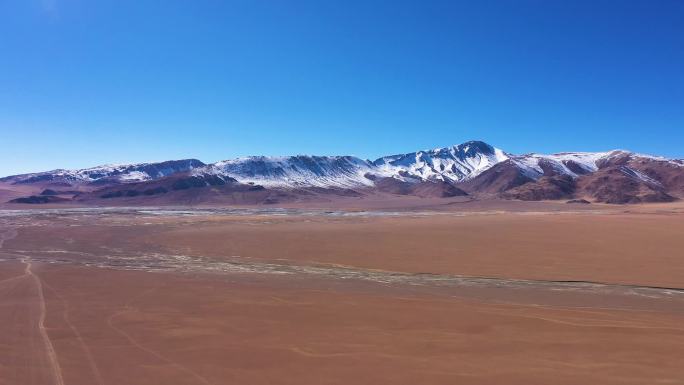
(85, 82)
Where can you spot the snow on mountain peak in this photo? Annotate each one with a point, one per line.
(117, 172)
(566, 163)
(451, 164)
(295, 171)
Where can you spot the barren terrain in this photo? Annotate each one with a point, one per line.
(507, 293)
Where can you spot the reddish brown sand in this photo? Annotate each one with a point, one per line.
(69, 323)
(636, 248)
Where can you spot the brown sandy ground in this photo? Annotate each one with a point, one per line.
(27, 355)
(642, 248)
(161, 328)
(68, 323)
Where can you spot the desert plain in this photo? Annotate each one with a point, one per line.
(465, 293)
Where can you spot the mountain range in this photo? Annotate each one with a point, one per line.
(475, 169)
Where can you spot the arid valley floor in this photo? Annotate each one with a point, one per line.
(512, 294)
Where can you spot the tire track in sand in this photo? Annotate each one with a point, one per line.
(84, 347)
(49, 348)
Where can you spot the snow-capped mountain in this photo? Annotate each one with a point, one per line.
(454, 165)
(613, 177)
(576, 164)
(572, 164)
(109, 173)
(295, 171)
(474, 168)
(451, 164)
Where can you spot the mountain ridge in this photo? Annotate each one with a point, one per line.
(475, 168)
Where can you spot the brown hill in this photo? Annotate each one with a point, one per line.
(496, 180)
(424, 189)
(546, 188)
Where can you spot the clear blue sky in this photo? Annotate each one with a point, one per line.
(85, 82)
